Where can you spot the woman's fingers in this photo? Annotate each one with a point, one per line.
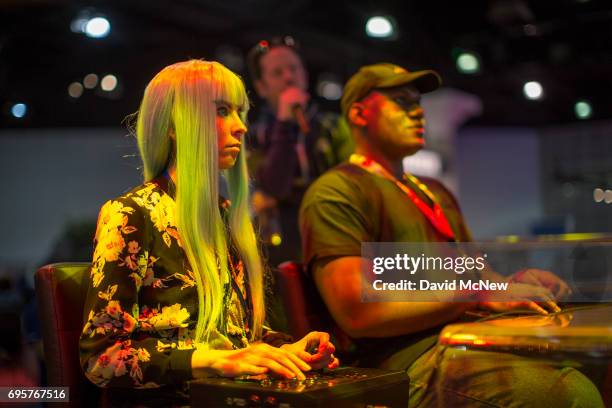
(290, 362)
(285, 358)
(323, 339)
(319, 346)
(251, 369)
(275, 367)
(335, 363)
(299, 361)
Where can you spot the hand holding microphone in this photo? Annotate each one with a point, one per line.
(291, 105)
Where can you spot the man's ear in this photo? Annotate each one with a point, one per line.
(355, 115)
(260, 88)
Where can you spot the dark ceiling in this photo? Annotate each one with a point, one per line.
(564, 44)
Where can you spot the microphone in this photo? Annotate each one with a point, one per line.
(300, 118)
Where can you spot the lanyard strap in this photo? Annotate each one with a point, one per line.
(434, 215)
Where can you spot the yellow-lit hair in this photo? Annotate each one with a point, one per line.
(181, 99)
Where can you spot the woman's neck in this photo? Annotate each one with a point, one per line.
(172, 172)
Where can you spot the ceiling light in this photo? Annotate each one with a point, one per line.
(379, 27)
(97, 27)
(533, 90)
(583, 109)
(468, 63)
(75, 90)
(108, 83)
(90, 81)
(19, 110)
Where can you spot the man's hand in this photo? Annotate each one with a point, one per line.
(289, 98)
(315, 349)
(547, 279)
(520, 296)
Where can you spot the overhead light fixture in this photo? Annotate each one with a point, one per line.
(90, 23)
(608, 196)
(533, 90)
(108, 83)
(19, 110)
(468, 63)
(97, 27)
(75, 90)
(598, 195)
(329, 87)
(380, 27)
(583, 109)
(90, 81)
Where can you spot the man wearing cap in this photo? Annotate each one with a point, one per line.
(371, 199)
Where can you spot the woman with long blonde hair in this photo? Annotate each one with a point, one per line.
(176, 287)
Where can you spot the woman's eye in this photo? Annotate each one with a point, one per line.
(222, 111)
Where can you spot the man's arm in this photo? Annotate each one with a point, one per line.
(277, 171)
(339, 283)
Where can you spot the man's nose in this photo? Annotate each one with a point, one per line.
(417, 113)
(288, 77)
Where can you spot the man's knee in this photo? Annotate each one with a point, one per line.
(555, 387)
(574, 389)
(508, 380)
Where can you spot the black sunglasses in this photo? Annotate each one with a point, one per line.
(264, 46)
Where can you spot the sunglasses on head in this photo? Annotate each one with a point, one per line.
(264, 46)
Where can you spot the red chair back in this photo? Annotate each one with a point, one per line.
(304, 307)
(60, 293)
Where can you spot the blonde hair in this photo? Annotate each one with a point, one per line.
(181, 99)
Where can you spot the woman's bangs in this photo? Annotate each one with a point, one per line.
(232, 89)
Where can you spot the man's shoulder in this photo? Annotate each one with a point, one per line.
(343, 175)
(344, 182)
(431, 182)
(436, 186)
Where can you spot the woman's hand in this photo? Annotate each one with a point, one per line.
(256, 359)
(519, 296)
(315, 349)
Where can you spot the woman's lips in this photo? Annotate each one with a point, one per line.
(232, 149)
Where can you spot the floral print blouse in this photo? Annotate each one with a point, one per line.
(141, 307)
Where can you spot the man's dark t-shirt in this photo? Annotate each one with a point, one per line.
(347, 206)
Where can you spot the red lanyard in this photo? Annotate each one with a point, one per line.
(434, 215)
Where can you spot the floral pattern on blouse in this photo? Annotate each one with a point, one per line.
(141, 307)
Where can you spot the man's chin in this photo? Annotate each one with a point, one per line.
(413, 148)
